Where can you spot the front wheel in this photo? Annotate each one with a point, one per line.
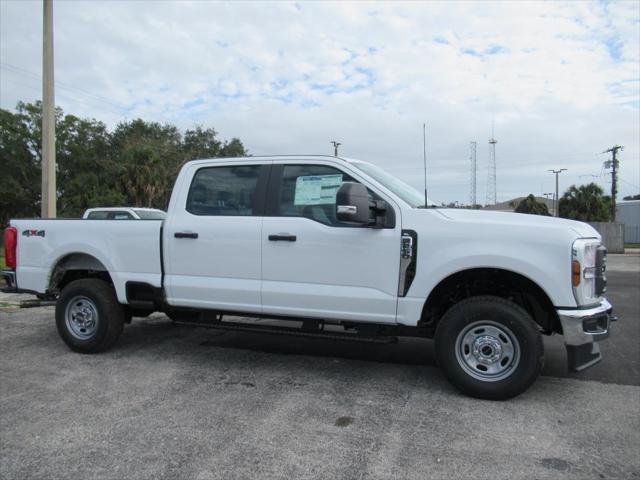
(88, 315)
(489, 347)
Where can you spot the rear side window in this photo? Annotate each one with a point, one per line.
(226, 191)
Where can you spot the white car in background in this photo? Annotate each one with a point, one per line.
(124, 213)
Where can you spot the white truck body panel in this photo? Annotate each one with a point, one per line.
(346, 273)
(130, 251)
(221, 270)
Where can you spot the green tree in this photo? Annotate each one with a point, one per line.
(200, 143)
(233, 148)
(135, 165)
(20, 178)
(148, 157)
(203, 143)
(586, 203)
(532, 206)
(87, 176)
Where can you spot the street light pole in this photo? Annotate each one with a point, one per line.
(555, 203)
(335, 147)
(48, 195)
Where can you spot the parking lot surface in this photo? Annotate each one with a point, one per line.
(195, 403)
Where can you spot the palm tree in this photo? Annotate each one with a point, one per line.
(586, 203)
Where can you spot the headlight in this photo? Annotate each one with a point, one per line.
(587, 271)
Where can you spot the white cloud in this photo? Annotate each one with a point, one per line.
(560, 80)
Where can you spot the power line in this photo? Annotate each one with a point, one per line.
(61, 85)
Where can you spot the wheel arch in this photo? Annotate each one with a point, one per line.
(491, 281)
(73, 266)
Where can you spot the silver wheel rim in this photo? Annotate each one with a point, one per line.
(81, 317)
(487, 351)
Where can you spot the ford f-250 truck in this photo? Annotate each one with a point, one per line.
(340, 247)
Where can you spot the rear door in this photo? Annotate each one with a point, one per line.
(316, 266)
(213, 238)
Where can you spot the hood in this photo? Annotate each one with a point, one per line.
(581, 229)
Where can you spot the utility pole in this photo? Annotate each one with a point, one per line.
(614, 178)
(555, 202)
(48, 196)
(474, 173)
(424, 161)
(335, 147)
(492, 192)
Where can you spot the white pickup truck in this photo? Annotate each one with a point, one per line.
(339, 248)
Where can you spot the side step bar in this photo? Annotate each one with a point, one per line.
(294, 332)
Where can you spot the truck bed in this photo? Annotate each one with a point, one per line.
(129, 250)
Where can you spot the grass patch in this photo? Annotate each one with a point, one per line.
(632, 245)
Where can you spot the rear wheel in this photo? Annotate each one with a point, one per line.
(489, 347)
(88, 316)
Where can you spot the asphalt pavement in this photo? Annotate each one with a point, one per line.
(183, 402)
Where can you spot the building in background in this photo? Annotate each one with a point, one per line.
(628, 213)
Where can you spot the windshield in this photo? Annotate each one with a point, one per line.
(406, 192)
(150, 214)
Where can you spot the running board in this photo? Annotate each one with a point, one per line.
(293, 332)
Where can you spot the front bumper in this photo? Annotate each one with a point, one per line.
(582, 330)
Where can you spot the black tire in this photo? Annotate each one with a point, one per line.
(506, 343)
(99, 299)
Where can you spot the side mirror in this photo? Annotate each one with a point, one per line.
(352, 203)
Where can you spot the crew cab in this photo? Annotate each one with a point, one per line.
(331, 247)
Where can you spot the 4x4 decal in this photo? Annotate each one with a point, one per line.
(33, 233)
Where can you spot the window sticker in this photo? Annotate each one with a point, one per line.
(317, 189)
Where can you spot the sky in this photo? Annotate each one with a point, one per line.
(559, 81)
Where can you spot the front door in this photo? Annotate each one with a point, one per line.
(212, 245)
(316, 266)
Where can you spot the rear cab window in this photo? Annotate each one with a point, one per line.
(223, 191)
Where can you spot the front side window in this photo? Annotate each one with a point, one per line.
(310, 191)
(223, 190)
